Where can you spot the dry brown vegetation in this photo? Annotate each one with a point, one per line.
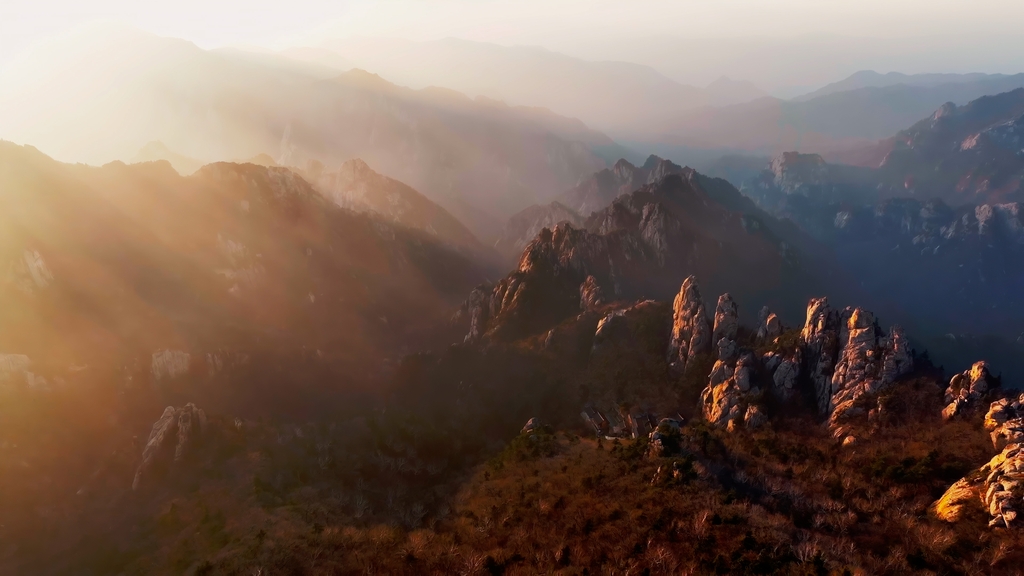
(440, 482)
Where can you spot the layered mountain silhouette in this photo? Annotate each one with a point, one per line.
(610, 96)
(993, 83)
(481, 159)
(832, 121)
(139, 267)
(937, 220)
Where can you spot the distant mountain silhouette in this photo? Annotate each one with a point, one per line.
(831, 122)
(609, 96)
(109, 266)
(872, 79)
(120, 89)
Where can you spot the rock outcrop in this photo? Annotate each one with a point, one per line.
(691, 334)
(478, 309)
(532, 425)
(820, 337)
(999, 485)
(769, 327)
(176, 426)
(784, 369)
(665, 438)
(726, 319)
(1005, 421)
(547, 286)
(730, 397)
(849, 357)
(731, 394)
(868, 362)
(968, 390)
(170, 364)
(591, 295)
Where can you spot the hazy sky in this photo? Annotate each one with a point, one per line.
(599, 29)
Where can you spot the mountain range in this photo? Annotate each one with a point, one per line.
(480, 159)
(323, 323)
(609, 96)
(828, 123)
(127, 267)
(936, 220)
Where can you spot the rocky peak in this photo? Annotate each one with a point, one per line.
(820, 336)
(849, 358)
(176, 426)
(547, 285)
(726, 319)
(624, 170)
(658, 168)
(604, 186)
(968, 389)
(691, 334)
(769, 327)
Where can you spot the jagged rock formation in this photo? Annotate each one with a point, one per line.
(731, 393)
(1004, 421)
(726, 319)
(645, 244)
(177, 426)
(784, 369)
(968, 389)
(591, 294)
(691, 334)
(546, 286)
(769, 327)
(849, 357)
(820, 337)
(999, 485)
(598, 191)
